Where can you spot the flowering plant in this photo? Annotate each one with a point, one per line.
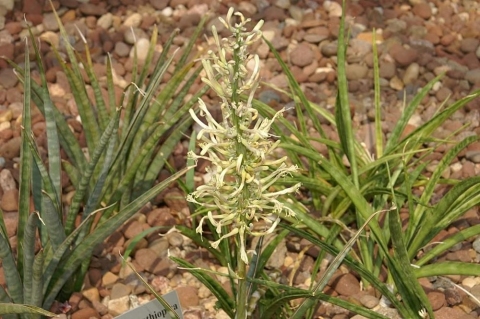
(239, 148)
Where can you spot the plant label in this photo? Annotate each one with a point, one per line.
(154, 309)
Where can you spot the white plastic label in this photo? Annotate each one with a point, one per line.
(154, 309)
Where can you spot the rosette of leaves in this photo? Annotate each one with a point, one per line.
(350, 192)
(127, 145)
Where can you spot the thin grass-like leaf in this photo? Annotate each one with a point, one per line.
(397, 131)
(378, 115)
(407, 284)
(343, 115)
(446, 268)
(416, 217)
(225, 301)
(451, 241)
(296, 293)
(308, 303)
(457, 201)
(170, 312)
(8, 308)
(354, 265)
(101, 232)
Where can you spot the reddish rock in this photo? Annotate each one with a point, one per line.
(8, 79)
(11, 220)
(346, 285)
(437, 299)
(159, 4)
(9, 202)
(7, 50)
(120, 290)
(403, 56)
(89, 9)
(188, 296)
(33, 7)
(14, 27)
(149, 260)
(450, 313)
(175, 200)
(160, 217)
(74, 300)
(274, 13)
(422, 10)
(133, 228)
(302, 55)
(86, 313)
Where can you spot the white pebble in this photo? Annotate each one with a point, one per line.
(334, 9)
(142, 45)
(6, 180)
(167, 12)
(133, 21)
(105, 21)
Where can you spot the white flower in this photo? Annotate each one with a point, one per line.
(240, 147)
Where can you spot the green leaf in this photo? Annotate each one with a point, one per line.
(25, 165)
(446, 268)
(294, 293)
(225, 301)
(451, 241)
(343, 116)
(29, 256)
(334, 265)
(407, 284)
(102, 231)
(12, 276)
(8, 308)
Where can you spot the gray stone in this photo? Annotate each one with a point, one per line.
(476, 245)
(473, 76)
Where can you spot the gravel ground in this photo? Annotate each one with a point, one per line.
(417, 40)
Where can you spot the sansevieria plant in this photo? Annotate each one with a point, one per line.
(127, 144)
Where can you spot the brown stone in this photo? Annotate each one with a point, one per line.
(188, 296)
(302, 55)
(403, 56)
(119, 290)
(149, 260)
(86, 313)
(449, 313)
(160, 217)
(422, 10)
(346, 285)
(9, 202)
(437, 299)
(133, 228)
(175, 200)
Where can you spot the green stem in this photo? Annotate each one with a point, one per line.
(240, 149)
(241, 312)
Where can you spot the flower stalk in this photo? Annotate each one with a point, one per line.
(239, 149)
